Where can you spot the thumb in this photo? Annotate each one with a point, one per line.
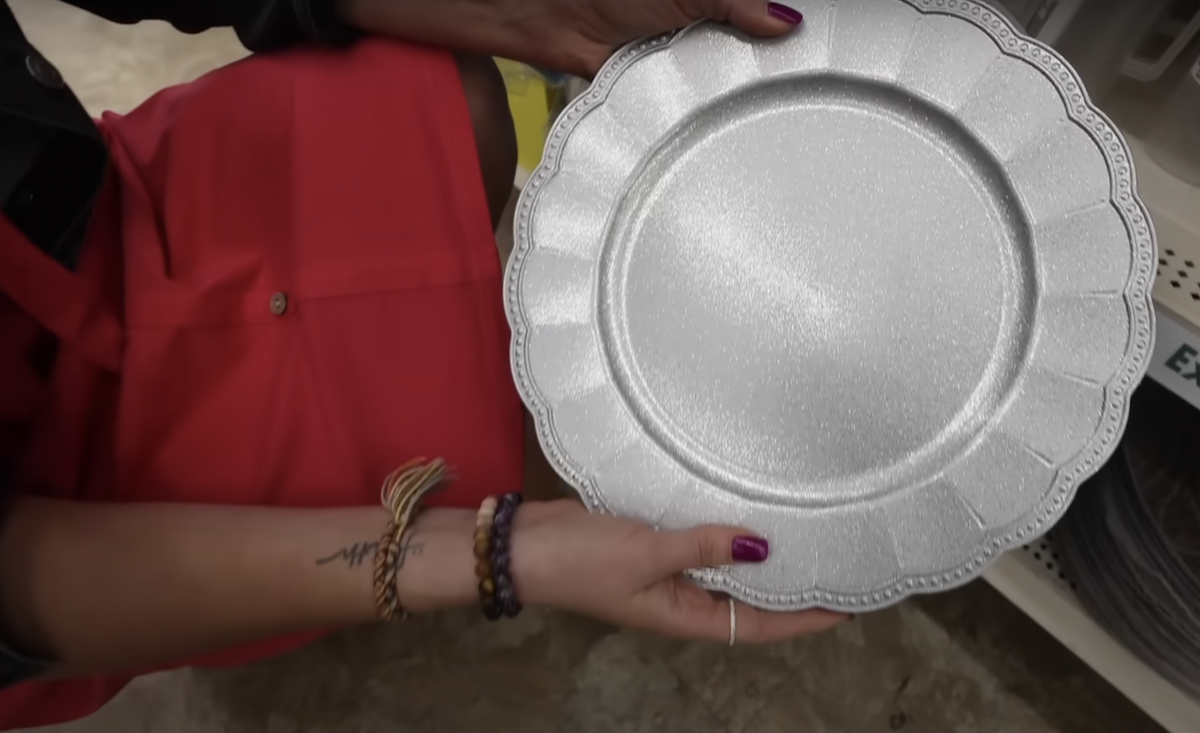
(759, 18)
(707, 547)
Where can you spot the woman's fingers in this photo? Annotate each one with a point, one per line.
(698, 614)
(765, 627)
(707, 547)
(761, 18)
(755, 17)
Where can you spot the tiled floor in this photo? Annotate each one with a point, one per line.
(964, 662)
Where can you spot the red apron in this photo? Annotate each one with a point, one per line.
(290, 287)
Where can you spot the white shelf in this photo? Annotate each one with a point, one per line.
(1034, 585)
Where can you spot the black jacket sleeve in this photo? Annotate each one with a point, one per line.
(47, 190)
(262, 25)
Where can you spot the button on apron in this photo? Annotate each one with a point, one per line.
(279, 304)
(43, 71)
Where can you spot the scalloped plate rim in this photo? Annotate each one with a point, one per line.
(1094, 452)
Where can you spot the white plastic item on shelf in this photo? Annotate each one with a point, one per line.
(1165, 42)
(1174, 141)
(1101, 36)
(1105, 38)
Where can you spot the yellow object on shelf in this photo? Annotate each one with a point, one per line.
(534, 103)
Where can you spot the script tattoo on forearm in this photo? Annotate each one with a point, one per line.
(353, 555)
(361, 553)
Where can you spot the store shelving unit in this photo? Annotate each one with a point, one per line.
(1033, 581)
(1031, 578)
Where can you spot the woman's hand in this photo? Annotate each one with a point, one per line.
(625, 573)
(576, 36)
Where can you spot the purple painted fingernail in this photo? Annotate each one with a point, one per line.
(779, 11)
(750, 549)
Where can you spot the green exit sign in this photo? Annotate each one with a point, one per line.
(1183, 362)
(1176, 363)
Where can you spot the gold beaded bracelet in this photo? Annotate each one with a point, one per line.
(483, 554)
(402, 493)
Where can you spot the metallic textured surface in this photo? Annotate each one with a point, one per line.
(878, 291)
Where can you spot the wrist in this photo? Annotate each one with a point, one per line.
(533, 557)
(438, 565)
(438, 572)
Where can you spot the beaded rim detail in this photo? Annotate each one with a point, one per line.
(1093, 454)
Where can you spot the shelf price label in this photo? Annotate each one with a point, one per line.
(1176, 363)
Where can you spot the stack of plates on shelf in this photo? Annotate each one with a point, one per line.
(1131, 541)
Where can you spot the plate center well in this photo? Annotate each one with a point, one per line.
(819, 289)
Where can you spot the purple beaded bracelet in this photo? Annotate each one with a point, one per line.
(506, 603)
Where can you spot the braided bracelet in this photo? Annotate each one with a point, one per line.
(402, 493)
(493, 533)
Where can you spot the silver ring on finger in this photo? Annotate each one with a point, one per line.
(732, 622)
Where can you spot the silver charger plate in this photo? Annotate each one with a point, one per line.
(878, 291)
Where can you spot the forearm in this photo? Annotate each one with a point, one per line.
(462, 25)
(262, 25)
(103, 588)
